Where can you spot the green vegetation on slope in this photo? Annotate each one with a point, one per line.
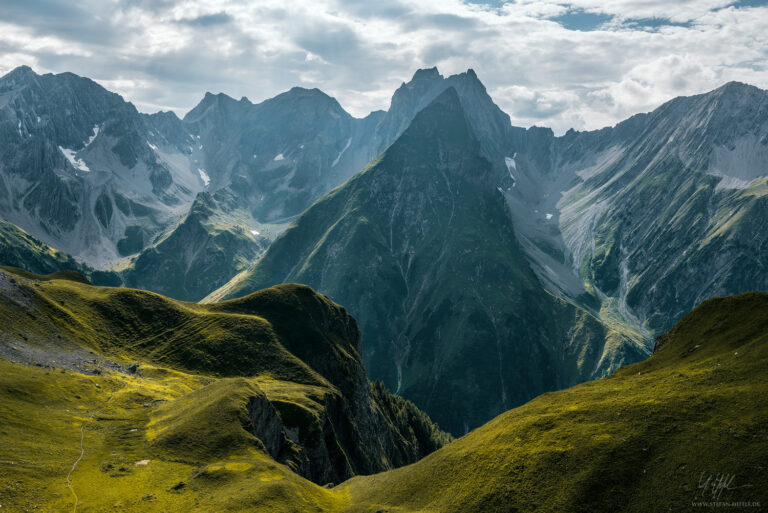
(213, 396)
(654, 436)
(45, 412)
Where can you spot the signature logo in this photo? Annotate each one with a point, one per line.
(712, 491)
(712, 486)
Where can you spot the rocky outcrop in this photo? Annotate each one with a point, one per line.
(207, 248)
(358, 428)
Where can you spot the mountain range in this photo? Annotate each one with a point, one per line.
(485, 263)
(421, 248)
(613, 232)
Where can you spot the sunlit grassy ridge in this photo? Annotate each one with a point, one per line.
(211, 395)
(641, 440)
(20, 249)
(222, 469)
(17, 247)
(222, 340)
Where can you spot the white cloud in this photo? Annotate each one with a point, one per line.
(21, 39)
(167, 54)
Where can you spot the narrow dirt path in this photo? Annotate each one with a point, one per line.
(74, 465)
(82, 453)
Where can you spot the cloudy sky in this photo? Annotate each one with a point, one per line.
(581, 63)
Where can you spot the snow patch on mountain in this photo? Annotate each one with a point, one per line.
(511, 164)
(93, 136)
(204, 176)
(741, 164)
(336, 161)
(76, 162)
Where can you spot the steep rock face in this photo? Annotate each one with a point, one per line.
(81, 169)
(656, 214)
(319, 416)
(421, 249)
(362, 428)
(490, 125)
(280, 155)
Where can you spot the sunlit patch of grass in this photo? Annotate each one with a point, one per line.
(636, 441)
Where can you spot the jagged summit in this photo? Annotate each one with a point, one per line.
(209, 100)
(307, 90)
(308, 98)
(427, 74)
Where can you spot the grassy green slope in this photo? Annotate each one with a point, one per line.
(129, 460)
(646, 438)
(214, 396)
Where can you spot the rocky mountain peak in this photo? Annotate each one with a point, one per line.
(427, 74)
(736, 88)
(19, 73)
(209, 101)
(442, 120)
(308, 99)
